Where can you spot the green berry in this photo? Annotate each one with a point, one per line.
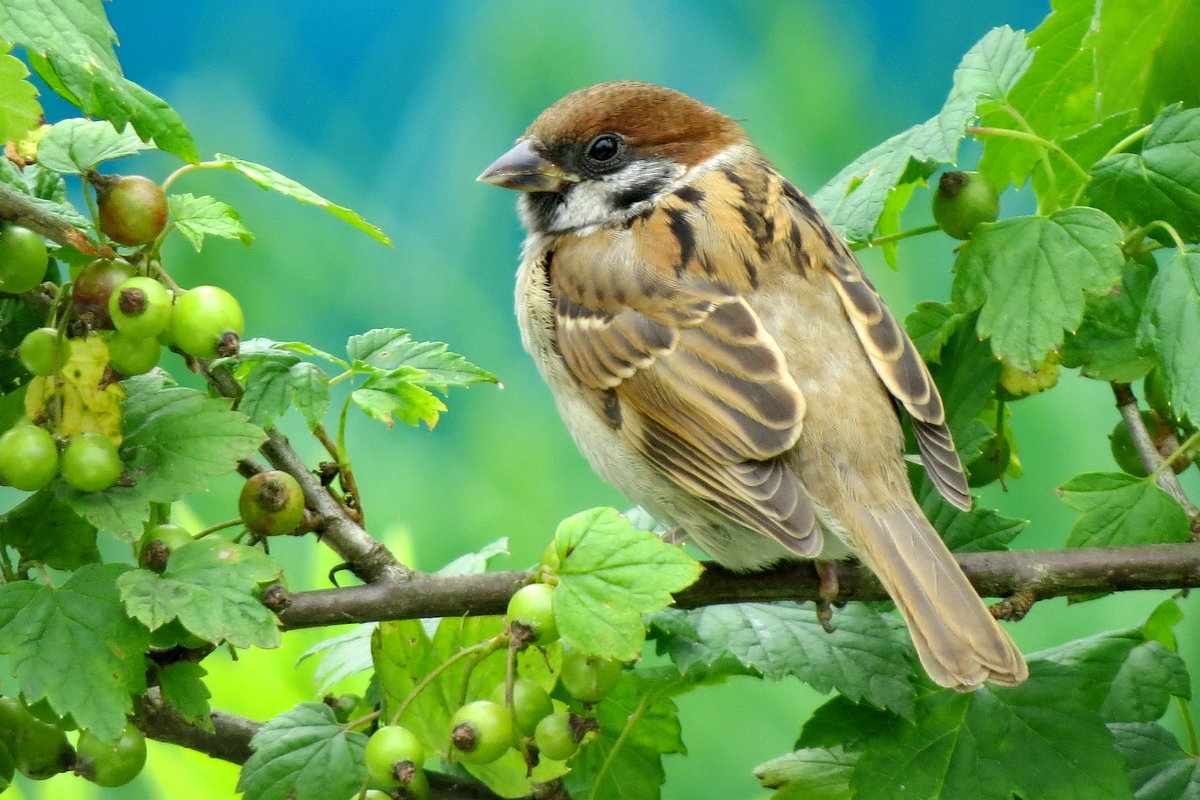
(271, 503)
(90, 462)
(133, 208)
(962, 201)
(588, 679)
(41, 750)
(530, 703)
(558, 735)
(157, 544)
(481, 732)
(42, 351)
(28, 457)
(207, 322)
(140, 307)
(23, 259)
(111, 763)
(394, 755)
(94, 288)
(133, 355)
(532, 606)
(992, 461)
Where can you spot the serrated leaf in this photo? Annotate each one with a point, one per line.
(1121, 509)
(854, 199)
(965, 373)
(1056, 95)
(197, 217)
(176, 439)
(74, 646)
(44, 188)
(79, 145)
(304, 754)
(19, 108)
(391, 348)
(1158, 767)
(864, 658)
(1105, 347)
(610, 574)
(638, 725)
(1159, 183)
(842, 722)
(1031, 275)
(1130, 679)
(309, 391)
(930, 326)
(183, 688)
(268, 393)
(1034, 740)
(67, 26)
(273, 181)
(1060, 186)
(398, 392)
(44, 530)
(209, 585)
(1171, 325)
(811, 773)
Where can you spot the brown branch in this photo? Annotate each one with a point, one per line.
(1148, 452)
(366, 557)
(1040, 574)
(19, 210)
(230, 741)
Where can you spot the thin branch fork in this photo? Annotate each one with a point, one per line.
(1035, 574)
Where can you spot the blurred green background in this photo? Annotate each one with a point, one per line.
(393, 109)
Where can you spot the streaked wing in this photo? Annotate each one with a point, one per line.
(896, 362)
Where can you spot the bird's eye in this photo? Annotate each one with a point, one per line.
(604, 147)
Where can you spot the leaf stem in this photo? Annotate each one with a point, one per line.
(895, 237)
(1188, 444)
(1140, 233)
(625, 732)
(345, 469)
(486, 646)
(1186, 712)
(220, 526)
(363, 720)
(1128, 140)
(1033, 138)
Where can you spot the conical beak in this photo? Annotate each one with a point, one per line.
(523, 169)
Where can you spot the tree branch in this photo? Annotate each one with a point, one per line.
(19, 210)
(366, 557)
(1038, 574)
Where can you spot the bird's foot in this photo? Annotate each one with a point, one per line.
(827, 593)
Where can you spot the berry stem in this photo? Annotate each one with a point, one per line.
(895, 237)
(484, 647)
(220, 526)
(345, 469)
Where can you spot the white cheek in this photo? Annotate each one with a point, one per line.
(589, 205)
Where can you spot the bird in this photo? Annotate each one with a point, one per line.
(719, 356)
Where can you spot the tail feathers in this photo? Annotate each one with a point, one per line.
(958, 641)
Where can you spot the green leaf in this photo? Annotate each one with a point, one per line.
(1159, 183)
(176, 439)
(45, 189)
(60, 26)
(930, 326)
(76, 146)
(1105, 346)
(197, 217)
(610, 574)
(1158, 767)
(20, 111)
(304, 754)
(268, 393)
(965, 373)
(1139, 45)
(1159, 625)
(1036, 740)
(74, 646)
(840, 722)
(1063, 186)
(811, 773)
(638, 725)
(854, 199)
(182, 685)
(1129, 679)
(46, 531)
(864, 658)
(973, 531)
(209, 585)
(1171, 325)
(398, 392)
(1120, 509)
(341, 656)
(309, 391)
(1056, 95)
(391, 348)
(273, 181)
(1030, 275)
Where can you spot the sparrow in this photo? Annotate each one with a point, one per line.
(719, 356)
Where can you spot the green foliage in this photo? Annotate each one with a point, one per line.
(306, 755)
(1121, 509)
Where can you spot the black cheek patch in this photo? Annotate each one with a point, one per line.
(638, 194)
(543, 209)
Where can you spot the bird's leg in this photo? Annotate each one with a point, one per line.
(827, 593)
(675, 536)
